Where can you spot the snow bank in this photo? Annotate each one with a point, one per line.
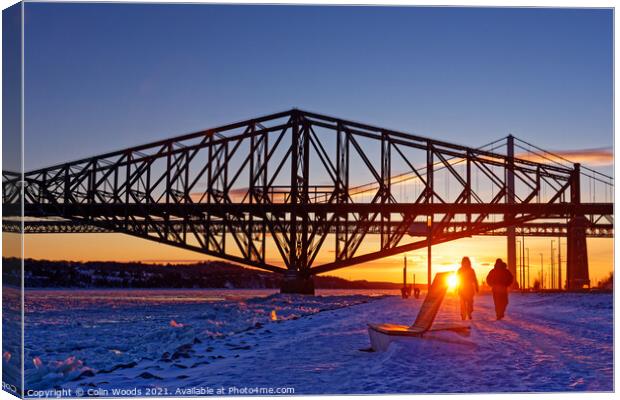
(556, 342)
(91, 338)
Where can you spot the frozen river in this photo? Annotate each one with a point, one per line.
(180, 341)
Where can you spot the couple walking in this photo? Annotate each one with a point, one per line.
(499, 279)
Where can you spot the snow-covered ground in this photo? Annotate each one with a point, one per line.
(554, 342)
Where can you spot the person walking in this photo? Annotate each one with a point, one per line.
(500, 279)
(468, 286)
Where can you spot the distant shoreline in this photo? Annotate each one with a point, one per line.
(593, 291)
(62, 275)
(47, 274)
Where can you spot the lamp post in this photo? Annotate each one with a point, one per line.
(559, 264)
(542, 274)
(520, 266)
(429, 227)
(523, 256)
(552, 266)
(404, 290)
(528, 267)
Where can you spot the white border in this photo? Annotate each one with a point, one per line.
(477, 3)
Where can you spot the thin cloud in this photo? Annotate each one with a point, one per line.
(595, 157)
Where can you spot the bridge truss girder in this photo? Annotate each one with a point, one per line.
(532, 229)
(288, 178)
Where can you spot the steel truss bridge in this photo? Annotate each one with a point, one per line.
(300, 193)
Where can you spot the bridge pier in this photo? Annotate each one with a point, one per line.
(577, 274)
(295, 283)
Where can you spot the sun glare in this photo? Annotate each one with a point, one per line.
(452, 282)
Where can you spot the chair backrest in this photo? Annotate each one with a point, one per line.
(432, 302)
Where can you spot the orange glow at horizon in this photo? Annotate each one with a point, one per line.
(482, 250)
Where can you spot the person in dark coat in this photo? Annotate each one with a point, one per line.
(468, 286)
(500, 280)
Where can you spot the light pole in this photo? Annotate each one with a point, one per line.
(559, 263)
(520, 265)
(542, 274)
(429, 226)
(404, 290)
(528, 267)
(522, 250)
(552, 267)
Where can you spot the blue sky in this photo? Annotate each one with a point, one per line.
(101, 77)
(11, 88)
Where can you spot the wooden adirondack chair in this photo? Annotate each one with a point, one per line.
(381, 335)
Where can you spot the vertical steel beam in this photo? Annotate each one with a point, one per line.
(258, 167)
(208, 234)
(67, 187)
(429, 173)
(252, 188)
(429, 222)
(511, 237)
(264, 162)
(224, 180)
(468, 189)
(304, 267)
(342, 191)
(127, 175)
(386, 177)
(297, 278)
(293, 198)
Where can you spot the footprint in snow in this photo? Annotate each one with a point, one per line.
(199, 363)
(148, 375)
(248, 347)
(86, 374)
(120, 366)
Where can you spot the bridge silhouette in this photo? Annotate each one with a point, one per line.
(277, 191)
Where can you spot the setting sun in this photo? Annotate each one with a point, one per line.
(452, 282)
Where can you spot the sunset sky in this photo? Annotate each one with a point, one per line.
(100, 77)
(446, 257)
